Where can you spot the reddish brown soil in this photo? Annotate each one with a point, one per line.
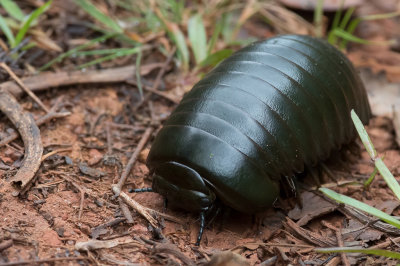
(44, 223)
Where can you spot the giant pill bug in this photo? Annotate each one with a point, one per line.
(265, 112)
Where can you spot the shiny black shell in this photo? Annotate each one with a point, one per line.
(263, 113)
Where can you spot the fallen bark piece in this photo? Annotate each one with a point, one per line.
(99, 244)
(30, 134)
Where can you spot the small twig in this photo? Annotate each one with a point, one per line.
(173, 250)
(339, 238)
(157, 81)
(159, 93)
(281, 255)
(125, 210)
(48, 80)
(94, 234)
(109, 139)
(47, 155)
(99, 244)
(385, 244)
(49, 260)
(163, 68)
(82, 194)
(308, 235)
(136, 206)
(164, 215)
(22, 85)
(6, 244)
(132, 160)
(287, 245)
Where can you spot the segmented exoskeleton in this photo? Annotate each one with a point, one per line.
(265, 112)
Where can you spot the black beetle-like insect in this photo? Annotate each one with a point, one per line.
(265, 112)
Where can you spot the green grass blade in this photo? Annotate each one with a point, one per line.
(381, 16)
(214, 37)
(363, 135)
(13, 9)
(371, 178)
(361, 206)
(25, 26)
(111, 57)
(100, 52)
(138, 76)
(346, 18)
(349, 37)
(7, 32)
(377, 252)
(93, 11)
(335, 24)
(197, 37)
(354, 23)
(76, 49)
(215, 58)
(318, 13)
(179, 39)
(388, 177)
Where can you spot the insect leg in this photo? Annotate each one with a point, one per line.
(202, 224)
(137, 190)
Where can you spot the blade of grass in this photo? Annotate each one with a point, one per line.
(361, 206)
(7, 32)
(227, 27)
(388, 177)
(138, 77)
(100, 52)
(383, 170)
(214, 37)
(377, 252)
(355, 22)
(177, 37)
(363, 135)
(197, 37)
(318, 13)
(25, 26)
(335, 24)
(78, 48)
(350, 37)
(215, 58)
(111, 57)
(13, 9)
(371, 178)
(346, 18)
(98, 15)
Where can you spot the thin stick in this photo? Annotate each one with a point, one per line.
(48, 80)
(33, 262)
(47, 155)
(125, 210)
(134, 157)
(339, 238)
(160, 73)
(343, 255)
(135, 205)
(82, 194)
(6, 244)
(22, 85)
